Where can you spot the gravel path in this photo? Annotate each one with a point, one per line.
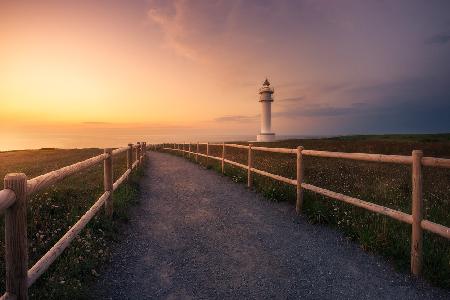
(197, 234)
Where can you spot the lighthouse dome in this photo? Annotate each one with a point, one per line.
(266, 88)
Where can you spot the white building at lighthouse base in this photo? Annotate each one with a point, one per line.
(265, 137)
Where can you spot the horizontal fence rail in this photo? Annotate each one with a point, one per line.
(13, 201)
(41, 182)
(7, 198)
(416, 160)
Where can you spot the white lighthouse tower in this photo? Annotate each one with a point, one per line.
(265, 92)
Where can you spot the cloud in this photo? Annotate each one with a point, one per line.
(293, 99)
(192, 28)
(439, 39)
(96, 123)
(327, 110)
(236, 118)
(213, 30)
(408, 105)
(167, 17)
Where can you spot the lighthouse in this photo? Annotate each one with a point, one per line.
(265, 98)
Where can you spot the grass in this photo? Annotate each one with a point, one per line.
(52, 212)
(384, 184)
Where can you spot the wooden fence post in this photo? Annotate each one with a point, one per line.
(196, 153)
(16, 240)
(417, 213)
(207, 154)
(108, 181)
(223, 158)
(250, 164)
(144, 151)
(130, 158)
(138, 154)
(300, 168)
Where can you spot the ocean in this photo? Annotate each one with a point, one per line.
(94, 139)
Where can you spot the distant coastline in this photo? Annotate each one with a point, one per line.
(77, 141)
(102, 140)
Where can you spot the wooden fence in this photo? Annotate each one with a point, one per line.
(416, 160)
(13, 202)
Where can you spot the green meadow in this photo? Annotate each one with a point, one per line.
(52, 211)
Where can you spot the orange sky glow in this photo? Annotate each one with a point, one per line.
(166, 67)
(82, 64)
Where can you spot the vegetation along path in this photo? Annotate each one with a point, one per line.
(197, 234)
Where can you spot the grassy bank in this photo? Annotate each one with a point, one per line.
(385, 184)
(52, 212)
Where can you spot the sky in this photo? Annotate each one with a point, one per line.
(194, 67)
